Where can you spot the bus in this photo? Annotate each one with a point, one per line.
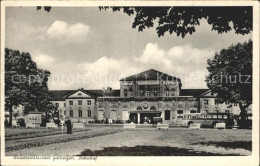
(205, 119)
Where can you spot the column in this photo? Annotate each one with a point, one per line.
(138, 118)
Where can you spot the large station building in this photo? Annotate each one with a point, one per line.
(140, 98)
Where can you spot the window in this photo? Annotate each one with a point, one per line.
(141, 93)
(125, 93)
(79, 102)
(235, 104)
(179, 111)
(206, 102)
(89, 102)
(193, 111)
(179, 117)
(155, 93)
(64, 104)
(71, 113)
(131, 92)
(80, 113)
(173, 92)
(153, 108)
(193, 117)
(216, 102)
(167, 93)
(139, 108)
(79, 94)
(57, 105)
(71, 102)
(89, 113)
(206, 111)
(148, 93)
(167, 115)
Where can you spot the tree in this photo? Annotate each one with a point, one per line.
(231, 76)
(182, 20)
(25, 84)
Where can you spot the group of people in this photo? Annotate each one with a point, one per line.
(68, 123)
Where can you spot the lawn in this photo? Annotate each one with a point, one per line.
(32, 142)
(21, 133)
(174, 142)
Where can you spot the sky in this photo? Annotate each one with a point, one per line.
(84, 47)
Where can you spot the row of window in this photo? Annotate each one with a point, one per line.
(80, 102)
(79, 113)
(148, 93)
(71, 103)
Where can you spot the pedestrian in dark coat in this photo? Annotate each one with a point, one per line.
(69, 126)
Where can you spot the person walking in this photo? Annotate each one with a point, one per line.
(69, 126)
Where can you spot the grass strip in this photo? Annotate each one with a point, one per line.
(35, 134)
(12, 146)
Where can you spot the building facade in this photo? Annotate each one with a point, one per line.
(142, 97)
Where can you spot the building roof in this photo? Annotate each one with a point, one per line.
(192, 92)
(99, 93)
(58, 95)
(151, 75)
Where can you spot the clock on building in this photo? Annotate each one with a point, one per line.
(145, 105)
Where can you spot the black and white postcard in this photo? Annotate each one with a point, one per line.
(130, 83)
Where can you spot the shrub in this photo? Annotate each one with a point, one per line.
(21, 122)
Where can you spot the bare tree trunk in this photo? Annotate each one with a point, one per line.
(243, 115)
(10, 109)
